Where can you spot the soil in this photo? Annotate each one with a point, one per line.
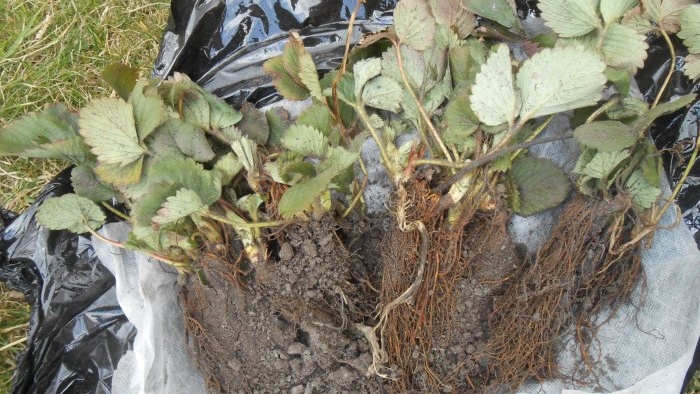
(295, 325)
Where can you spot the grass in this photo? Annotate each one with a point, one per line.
(55, 50)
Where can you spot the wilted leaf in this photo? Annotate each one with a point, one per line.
(612, 10)
(604, 164)
(570, 18)
(304, 140)
(461, 121)
(70, 212)
(493, 98)
(560, 79)
(605, 135)
(453, 14)
(221, 114)
(86, 184)
(285, 71)
(690, 28)
(584, 158)
(121, 78)
(227, 167)
(308, 73)
(190, 140)
(666, 13)
(414, 66)
(254, 124)
(691, 68)
(364, 70)
(109, 129)
(414, 24)
(383, 93)
(184, 203)
(119, 176)
(623, 47)
(540, 185)
(501, 11)
(643, 194)
(188, 174)
(246, 150)
(298, 197)
(148, 107)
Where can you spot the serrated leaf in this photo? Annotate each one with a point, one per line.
(148, 107)
(636, 21)
(691, 68)
(560, 79)
(383, 93)
(666, 13)
(317, 116)
(570, 18)
(662, 109)
(643, 194)
(414, 24)
(339, 157)
(309, 75)
(190, 140)
(34, 134)
(623, 47)
(227, 167)
(109, 129)
(605, 135)
(461, 121)
(604, 164)
(584, 158)
(161, 143)
(540, 185)
(414, 66)
(285, 71)
(184, 203)
(304, 140)
(186, 173)
(221, 114)
(493, 98)
(454, 15)
(119, 176)
(254, 124)
(300, 196)
(121, 78)
(86, 184)
(628, 108)
(71, 149)
(364, 70)
(501, 11)
(612, 10)
(690, 28)
(301, 168)
(70, 212)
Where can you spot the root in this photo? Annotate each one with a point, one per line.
(571, 279)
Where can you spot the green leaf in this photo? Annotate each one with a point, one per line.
(254, 124)
(383, 93)
(300, 167)
(188, 174)
(691, 68)
(162, 143)
(277, 120)
(221, 114)
(309, 75)
(317, 116)
(570, 18)
(662, 109)
(605, 135)
(119, 176)
(339, 158)
(414, 66)
(612, 10)
(540, 185)
(109, 129)
(121, 78)
(227, 167)
(584, 158)
(414, 24)
(364, 70)
(34, 134)
(247, 152)
(651, 164)
(86, 184)
(643, 194)
(70, 212)
(620, 79)
(305, 140)
(690, 28)
(666, 13)
(560, 79)
(493, 98)
(461, 121)
(285, 71)
(501, 11)
(623, 47)
(604, 164)
(184, 203)
(628, 108)
(300, 196)
(190, 140)
(148, 107)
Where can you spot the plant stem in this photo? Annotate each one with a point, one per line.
(245, 225)
(424, 115)
(535, 133)
(613, 101)
(670, 72)
(679, 184)
(495, 155)
(181, 267)
(382, 152)
(115, 211)
(438, 162)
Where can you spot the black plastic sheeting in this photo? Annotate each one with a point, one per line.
(78, 333)
(77, 330)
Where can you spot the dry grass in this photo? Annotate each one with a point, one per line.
(55, 50)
